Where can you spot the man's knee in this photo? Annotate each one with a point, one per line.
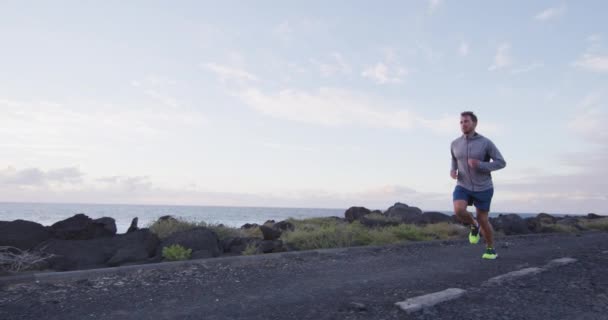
(482, 216)
(460, 207)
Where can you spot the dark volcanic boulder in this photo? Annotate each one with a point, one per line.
(136, 246)
(237, 245)
(510, 224)
(404, 212)
(270, 233)
(570, 221)
(108, 226)
(133, 226)
(133, 247)
(592, 216)
(197, 239)
(433, 217)
(284, 226)
(22, 234)
(77, 254)
(355, 213)
(269, 246)
(534, 224)
(81, 227)
(545, 218)
(249, 225)
(377, 221)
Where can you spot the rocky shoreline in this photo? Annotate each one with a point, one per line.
(80, 242)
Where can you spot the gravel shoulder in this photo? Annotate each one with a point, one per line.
(351, 283)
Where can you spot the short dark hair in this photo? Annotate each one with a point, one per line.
(470, 114)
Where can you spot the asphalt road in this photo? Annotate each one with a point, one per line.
(352, 283)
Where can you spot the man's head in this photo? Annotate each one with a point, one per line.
(468, 122)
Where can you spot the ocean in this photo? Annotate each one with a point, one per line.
(49, 213)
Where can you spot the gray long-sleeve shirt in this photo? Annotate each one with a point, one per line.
(480, 148)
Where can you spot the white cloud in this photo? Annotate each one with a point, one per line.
(583, 189)
(463, 49)
(335, 108)
(155, 86)
(142, 190)
(288, 147)
(163, 98)
(434, 5)
(594, 58)
(551, 13)
(593, 62)
(387, 71)
(328, 107)
(528, 68)
(448, 124)
(381, 73)
(34, 177)
(502, 58)
(77, 130)
(590, 119)
(227, 73)
(338, 65)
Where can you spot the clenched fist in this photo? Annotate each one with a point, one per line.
(454, 174)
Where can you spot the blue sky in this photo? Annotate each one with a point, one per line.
(308, 104)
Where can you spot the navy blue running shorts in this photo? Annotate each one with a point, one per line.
(481, 199)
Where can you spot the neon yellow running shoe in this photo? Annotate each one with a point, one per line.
(490, 254)
(474, 235)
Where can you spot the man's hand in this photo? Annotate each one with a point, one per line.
(454, 174)
(473, 163)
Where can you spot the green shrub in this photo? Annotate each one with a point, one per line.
(318, 233)
(444, 230)
(559, 228)
(595, 224)
(314, 223)
(176, 252)
(165, 228)
(252, 233)
(250, 249)
(382, 218)
(224, 232)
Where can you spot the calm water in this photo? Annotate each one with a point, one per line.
(49, 213)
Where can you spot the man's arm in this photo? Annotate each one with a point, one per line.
(498, 162)
(453, 172)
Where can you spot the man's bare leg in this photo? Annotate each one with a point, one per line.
(460, 210)
(486, 227)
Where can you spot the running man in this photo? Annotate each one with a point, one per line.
(471, 167)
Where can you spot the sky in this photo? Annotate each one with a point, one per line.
(301, 103)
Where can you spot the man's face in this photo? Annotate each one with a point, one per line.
(466, 124)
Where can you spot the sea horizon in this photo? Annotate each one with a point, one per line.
(47, 213)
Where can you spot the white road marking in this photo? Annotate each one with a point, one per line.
(559, 262)
(429, 300)
(512, 275)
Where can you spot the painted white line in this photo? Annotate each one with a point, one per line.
(559, 262)
(528, 271)
(429, 300)
(512, 275)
